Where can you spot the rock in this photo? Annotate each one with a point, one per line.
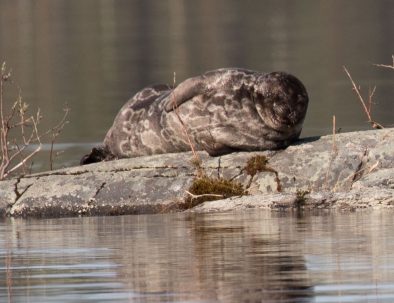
(383, 178)
(7, 195)
(351, 200)
(351, 171)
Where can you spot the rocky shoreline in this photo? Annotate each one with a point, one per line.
(346, 171)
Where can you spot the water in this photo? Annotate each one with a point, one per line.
(95, 54)
(256, 256)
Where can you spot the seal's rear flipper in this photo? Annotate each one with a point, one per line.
(98, 154)
(183, 92)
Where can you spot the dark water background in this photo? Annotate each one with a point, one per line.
(257, 256)
(95, 54)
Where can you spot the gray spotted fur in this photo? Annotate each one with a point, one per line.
(224, 110)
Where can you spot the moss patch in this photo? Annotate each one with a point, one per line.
(258, 164)
(255, 165)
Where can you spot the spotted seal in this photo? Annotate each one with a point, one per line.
(221, 111)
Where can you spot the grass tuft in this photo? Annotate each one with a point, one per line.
(258, 164)
(208, 189)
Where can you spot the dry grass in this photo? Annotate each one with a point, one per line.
(301, 198)
(208, 189)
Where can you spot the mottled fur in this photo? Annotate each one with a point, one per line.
(224, 110)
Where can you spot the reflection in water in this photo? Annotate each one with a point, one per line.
(218, 259)
(242, 257)
(250, 266)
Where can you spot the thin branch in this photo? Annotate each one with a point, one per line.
(367, 109)
(385, 65)
(334, 145)
(14, 153)
(368, 169)
(333, 154)
(28, 157)
(193, 196)
(358, 94)
(370, 98)
(184, 128)
(55, 133)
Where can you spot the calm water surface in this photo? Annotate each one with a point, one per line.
(95, 54)
(231, 257)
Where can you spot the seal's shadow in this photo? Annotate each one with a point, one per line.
(305, 140)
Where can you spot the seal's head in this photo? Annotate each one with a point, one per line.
(281, 101)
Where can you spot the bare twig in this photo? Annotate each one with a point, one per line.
(55, 132)
(193, 196)
(367, 109)
(196, 158)
(386, 66)
(29, 156)
(185, 132)
(334, 152)
(19, 131)
(334, 145)
(366, 170)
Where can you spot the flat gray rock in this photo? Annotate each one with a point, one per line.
(350, 200)
(349, 171)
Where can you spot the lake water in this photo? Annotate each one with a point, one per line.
(256, 256)
(95, 54)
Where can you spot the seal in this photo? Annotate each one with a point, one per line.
(221, 111)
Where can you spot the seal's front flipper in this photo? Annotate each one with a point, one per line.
(183, 92)
(213, 143)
